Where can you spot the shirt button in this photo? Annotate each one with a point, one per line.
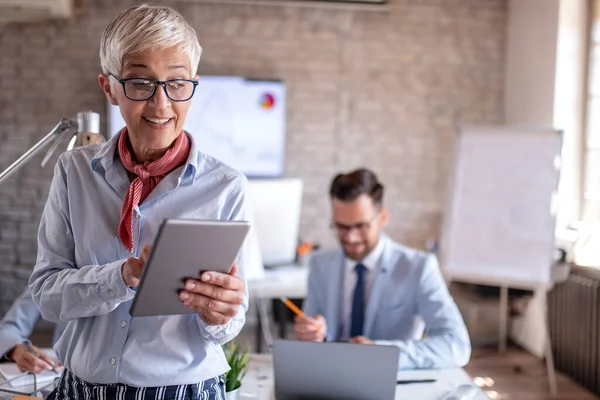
(90, 305)
(123, 324)
(111, 293)
(112, 361)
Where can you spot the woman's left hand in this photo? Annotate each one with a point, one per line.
(216, 296)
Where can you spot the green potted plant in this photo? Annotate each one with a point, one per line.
(238, 358)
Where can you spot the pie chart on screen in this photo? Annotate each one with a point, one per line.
(267, 101)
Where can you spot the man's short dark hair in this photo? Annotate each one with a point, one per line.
(349, 187)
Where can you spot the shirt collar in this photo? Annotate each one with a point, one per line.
(106, 155)
(372, 259)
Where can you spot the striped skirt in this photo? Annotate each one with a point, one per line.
(71, 387)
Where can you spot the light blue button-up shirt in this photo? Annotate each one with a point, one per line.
(18, 323)
(77, 277)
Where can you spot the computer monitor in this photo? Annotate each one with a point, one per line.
(277, 206)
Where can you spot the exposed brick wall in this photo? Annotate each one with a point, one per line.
(383, 90)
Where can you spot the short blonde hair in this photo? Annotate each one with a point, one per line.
(146, 28)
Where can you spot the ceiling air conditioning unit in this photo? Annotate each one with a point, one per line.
(34, 10)
(378, 5)
(339, 1)
(350, 1)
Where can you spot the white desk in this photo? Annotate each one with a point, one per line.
(42, 389)
(286, 281)
(258, 384)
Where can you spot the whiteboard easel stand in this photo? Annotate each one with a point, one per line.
(548, 353)
(489, 162)
(503, 320)
(549, 358)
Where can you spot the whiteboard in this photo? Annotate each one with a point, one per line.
(499, 224)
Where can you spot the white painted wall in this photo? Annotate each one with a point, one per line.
(546, 55)
(569, 104)
(532, 31)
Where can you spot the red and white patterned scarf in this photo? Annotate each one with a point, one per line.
(149, 174)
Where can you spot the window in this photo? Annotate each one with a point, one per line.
(591, 165)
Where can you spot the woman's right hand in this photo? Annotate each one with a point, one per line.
(133, 267)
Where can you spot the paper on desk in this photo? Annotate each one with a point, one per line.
(10, 370)
(446, 381)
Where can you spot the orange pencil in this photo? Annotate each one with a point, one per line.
(292, 307)
(295, 309)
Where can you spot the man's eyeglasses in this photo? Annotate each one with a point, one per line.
(142, 89)
(361, 227)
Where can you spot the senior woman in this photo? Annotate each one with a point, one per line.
(105, 204)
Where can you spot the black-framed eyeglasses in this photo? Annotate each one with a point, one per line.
(142, 89)
(361, 227)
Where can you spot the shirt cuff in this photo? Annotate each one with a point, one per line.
(211, 332)
(112, 285)
(8, 341)
(386, 342)
(222, 334)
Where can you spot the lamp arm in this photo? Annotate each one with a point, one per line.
(57, 131)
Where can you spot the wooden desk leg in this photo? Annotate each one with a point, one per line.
(258, 333)
(503, 318)
(264, 325)
(548, 354)
(550, 368)
(282, 321)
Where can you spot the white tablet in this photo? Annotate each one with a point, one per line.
(184, 249)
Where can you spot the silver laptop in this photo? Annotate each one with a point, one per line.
(310, 370)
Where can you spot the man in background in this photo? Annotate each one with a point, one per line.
(15, 329)
(376, 291)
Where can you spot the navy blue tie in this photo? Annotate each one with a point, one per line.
(358, 302)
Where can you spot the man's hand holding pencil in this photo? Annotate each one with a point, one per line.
(313, 329)
(31, 358)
